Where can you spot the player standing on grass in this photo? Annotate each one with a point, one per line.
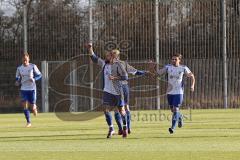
(175, 73)
(130, 70)
(118, 76)
(27, 74)
(111, 96)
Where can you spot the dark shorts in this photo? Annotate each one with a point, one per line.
(126, 93)
(175, 99)
(112, 100)
(29, 96)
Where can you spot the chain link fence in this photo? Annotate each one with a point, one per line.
(58, 30)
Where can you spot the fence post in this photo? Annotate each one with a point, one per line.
(25, 39)
(45, 104)
(90, 62)
(157, 47)
(73, 83)
(224, 51)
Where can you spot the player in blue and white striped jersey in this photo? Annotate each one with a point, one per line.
(26, 76)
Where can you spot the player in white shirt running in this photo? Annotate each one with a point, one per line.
(26, 75)
(175, 74)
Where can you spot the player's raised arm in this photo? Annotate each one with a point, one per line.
(94, 57)
(162, 71)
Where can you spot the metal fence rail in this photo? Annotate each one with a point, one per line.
(58, 30)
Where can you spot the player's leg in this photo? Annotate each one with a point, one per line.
(118, 115)
(122, 111)
(107, 102)
(26, 113)
(118, 119)
(32, 101)
(108, 117)
(128, 118)
(24, 103)
(119, 102)
(180, 119)
(175, 118)
(126, 100)
(124, 120)
(175, 101)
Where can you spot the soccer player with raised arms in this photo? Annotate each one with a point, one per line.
(111, 95)
(175, 73)
(26, 76)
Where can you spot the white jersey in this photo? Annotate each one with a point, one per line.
(26, 75)
(108, 84)
(175, 78)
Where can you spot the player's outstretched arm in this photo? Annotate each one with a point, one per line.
(155, 71)
(131, 70)
(93, 56)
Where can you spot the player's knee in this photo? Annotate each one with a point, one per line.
(122, 110)
(106, 111)
(174, 109)
(25, 105)
(127, 108)
(105, 108)
(171, 107)
(116, 110)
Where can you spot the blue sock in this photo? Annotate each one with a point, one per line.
(175, 118)
(27, 115)
(128, 119)
(180, 117)
(118, 119)
(124, 120)
(108, 117)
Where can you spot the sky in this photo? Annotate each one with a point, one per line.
(6, 8)
(10, 10)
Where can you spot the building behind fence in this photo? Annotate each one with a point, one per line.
(58, 30)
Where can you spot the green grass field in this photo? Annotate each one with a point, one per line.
(209, 135)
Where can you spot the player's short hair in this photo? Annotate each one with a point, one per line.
(178, 55)
(116, 51)
(25, 54)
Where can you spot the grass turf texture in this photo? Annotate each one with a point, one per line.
(209, 135)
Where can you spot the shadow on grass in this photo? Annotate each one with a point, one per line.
(39, 138)
(189, 137)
